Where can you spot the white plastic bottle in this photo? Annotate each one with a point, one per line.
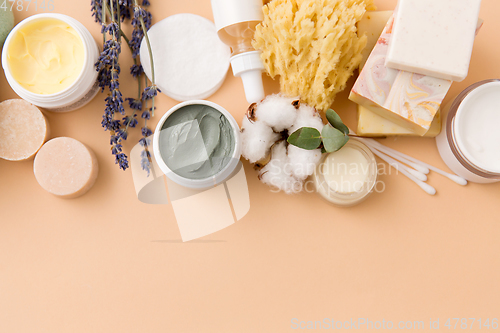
(235, 21)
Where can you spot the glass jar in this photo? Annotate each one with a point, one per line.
(349, 179)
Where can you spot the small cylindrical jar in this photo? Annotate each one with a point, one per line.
(77, 94)
(348, 176)
(192, 134)
(469, 143)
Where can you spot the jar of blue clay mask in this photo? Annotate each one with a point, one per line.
(197, 144)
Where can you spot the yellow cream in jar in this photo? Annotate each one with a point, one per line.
(46, 56)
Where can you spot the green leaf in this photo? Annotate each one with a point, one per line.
(333, 139)
(306, 138)
(335, 121)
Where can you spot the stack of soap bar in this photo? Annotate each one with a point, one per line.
(66, 167)
(23, 130)
(370, 123)
(434, 37)
(407, 99)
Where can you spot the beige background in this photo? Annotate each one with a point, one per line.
(107, 263)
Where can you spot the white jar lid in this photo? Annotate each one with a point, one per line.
(190, 60)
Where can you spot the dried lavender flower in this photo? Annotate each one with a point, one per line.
(110, 14)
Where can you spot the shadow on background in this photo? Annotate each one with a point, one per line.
(175, 241)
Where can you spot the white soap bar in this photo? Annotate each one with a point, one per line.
(434, 37)
(66, 167)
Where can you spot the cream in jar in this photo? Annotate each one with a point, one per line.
(49, 60)
(348, 176)
(46, 56)
(477, 127)
(470, 141)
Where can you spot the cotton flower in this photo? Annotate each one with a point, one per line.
(303, 162)
(277, 172)
(256, 139)
(307, 117)
(277, 112)
(264, 131)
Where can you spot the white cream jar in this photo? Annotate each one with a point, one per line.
(43, 39)
(470, 140)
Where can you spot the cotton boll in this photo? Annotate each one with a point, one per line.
(303, 162)
(277, 111)
(307, 117)
(288, 165)
(256, 139)
(277, 172)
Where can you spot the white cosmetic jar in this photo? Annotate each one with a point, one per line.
(78, 94)
(223, 175)
(469, 143)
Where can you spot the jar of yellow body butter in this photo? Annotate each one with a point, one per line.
(49, 60)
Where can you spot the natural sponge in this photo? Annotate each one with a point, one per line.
(312, 45)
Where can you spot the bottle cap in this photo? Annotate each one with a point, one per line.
(229, 12)
(249, 67)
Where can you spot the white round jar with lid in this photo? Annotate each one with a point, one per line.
(184, 135)
(346, 177)
(469, 143)
(73, 95)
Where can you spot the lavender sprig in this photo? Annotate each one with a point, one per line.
(142, 22)
(109, 70)
(109, 73)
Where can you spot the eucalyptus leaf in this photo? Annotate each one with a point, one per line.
(306, 138)
(333, 139)
(335, 121)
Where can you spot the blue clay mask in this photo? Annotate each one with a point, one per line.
(196, 142)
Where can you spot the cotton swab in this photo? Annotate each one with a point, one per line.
(426, 187)
(394, 153)
(411, 174)
(457, 179)
(413, 162)
(397, 165)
